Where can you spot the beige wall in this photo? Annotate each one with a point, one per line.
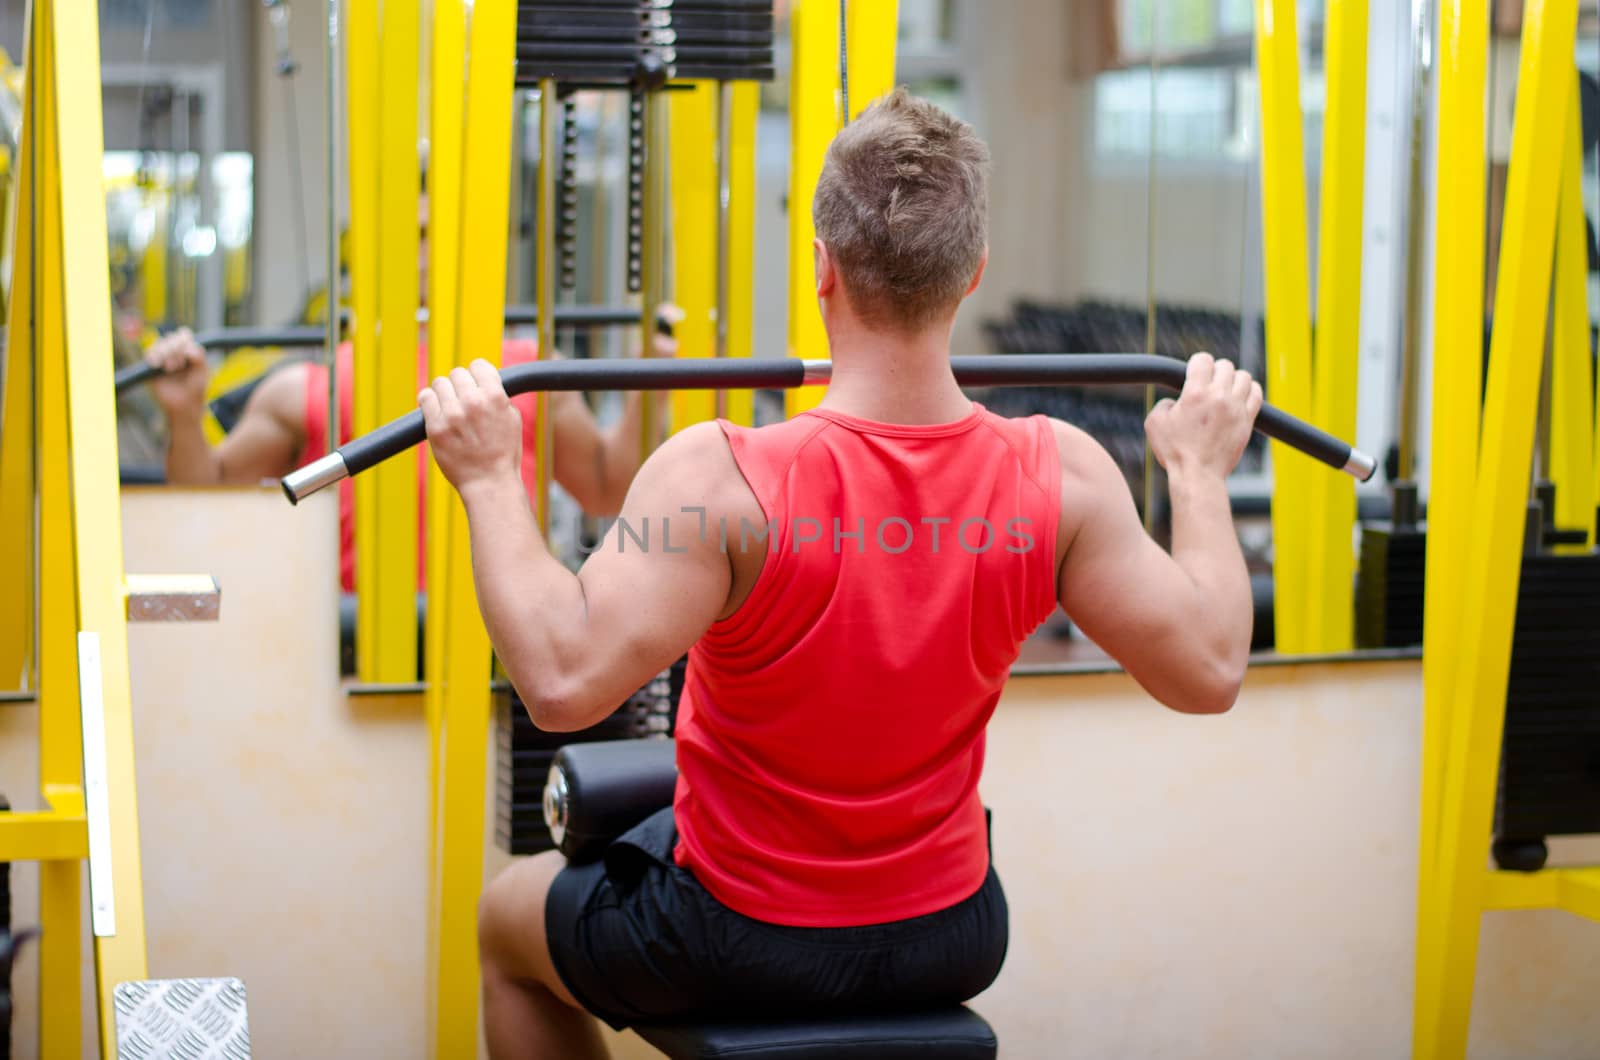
(1232, 887)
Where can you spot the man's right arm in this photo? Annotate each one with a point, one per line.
(1180, 624)
(266, 441)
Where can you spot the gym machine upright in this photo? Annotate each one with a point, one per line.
(64, 599)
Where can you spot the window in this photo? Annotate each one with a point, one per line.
(1204, 98)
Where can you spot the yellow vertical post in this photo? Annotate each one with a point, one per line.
(153, 262)
(1572, 410)
(1490, 577)
(17, 423)
(386, 602)
(742, 238)
(464, 728)
(448, 42)
(814, 107)
(60, 730)
(362, 64)
(1331, 560)
(1460, 183)
(96, 502)
(1286, 262)
(692, 119)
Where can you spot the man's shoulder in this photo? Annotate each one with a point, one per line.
(699, 461)
(1082, 457)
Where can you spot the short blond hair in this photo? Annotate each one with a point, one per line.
(903, 207)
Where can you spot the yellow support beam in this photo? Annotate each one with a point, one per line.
(362, 66)
(742, 240)
(60, 730)
(46, 836)
(1580, 892)
(1576, 890)
(386, 610)
(1460, 180)
(692, 122)
(96, 497)
(1286, 260)
(814, 106)
(465, 704)
(1572, 386)
(448, 42)
(1331, 559)
(1490, 577)
(1522, 890)
(17, 663)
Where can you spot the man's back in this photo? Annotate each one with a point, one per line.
(838, 714)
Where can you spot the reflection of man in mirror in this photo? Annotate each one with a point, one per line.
(284, 424)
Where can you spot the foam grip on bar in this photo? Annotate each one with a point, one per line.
(597, 791)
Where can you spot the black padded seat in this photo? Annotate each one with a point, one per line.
(941, 1034)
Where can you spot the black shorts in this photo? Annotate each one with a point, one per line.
(637, 939)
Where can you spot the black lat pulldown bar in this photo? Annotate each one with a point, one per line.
(711, 374)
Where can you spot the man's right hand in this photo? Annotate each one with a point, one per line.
(1206, 429)
(181, 388)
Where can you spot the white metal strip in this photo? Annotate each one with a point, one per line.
(96, 792)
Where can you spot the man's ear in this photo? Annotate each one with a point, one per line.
(978, 276)
(827, 274)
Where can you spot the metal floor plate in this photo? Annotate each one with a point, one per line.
(182, 1019)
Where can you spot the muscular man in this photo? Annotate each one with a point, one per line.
(852, 587)
(284, 424)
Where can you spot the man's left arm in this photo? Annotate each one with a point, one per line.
(577, 645)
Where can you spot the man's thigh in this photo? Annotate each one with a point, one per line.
(511, 922)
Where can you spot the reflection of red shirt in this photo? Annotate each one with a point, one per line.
(512, 351)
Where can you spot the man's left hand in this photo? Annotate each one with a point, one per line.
(473, 429)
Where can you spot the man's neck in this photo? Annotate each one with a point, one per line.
(891, 377)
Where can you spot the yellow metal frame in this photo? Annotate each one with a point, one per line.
(692, 117)
(742, 240)
(80, 589)
(445, 144)
(1457, 385)
(694, 195)
(470, 148)
(386, 611)
(873, 29)
(1454, 886)
(18, 667)
(1572, 387)
(1330, 560)
(362, 65)
(1285, 266)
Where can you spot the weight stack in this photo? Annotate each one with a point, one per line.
(598, 43)
(523, 753)
(1389, 586)
(1550, 758)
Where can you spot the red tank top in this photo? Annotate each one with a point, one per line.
(831, 732)
(512, 351)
